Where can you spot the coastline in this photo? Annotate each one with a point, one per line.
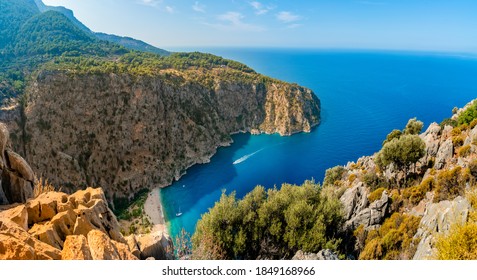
(154, 210)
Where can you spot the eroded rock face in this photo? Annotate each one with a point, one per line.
(146, 131)
(16, 176)
(438, 219)
(57, 226)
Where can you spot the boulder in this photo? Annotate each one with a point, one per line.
(323, 255)
(438, 219)
(76, 248)
(354, 200)
(444, 154)
(20, 166)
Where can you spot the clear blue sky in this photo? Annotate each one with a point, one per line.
(438, 25)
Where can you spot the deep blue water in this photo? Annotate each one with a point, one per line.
(364, 95)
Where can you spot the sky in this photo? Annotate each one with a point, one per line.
(429, 25)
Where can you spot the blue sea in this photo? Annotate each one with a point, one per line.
(364, 95)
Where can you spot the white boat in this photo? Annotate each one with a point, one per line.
(178, 214)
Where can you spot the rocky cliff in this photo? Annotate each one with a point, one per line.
(400, 214)
(126, 132)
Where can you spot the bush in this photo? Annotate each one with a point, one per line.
(467, 116)
(333, 174)
(271, 224)
(373, 181)
(376, 194)
(451, 183)
(457, 141)
(413, 127)
(459, 244)
(464, 151)
(394, 240)
(417, 193)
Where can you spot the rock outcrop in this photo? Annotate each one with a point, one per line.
(74, 227)
(438, 219)
(371, 216)
(17, 177)
(126, 132)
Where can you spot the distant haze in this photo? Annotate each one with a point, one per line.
(433, 25)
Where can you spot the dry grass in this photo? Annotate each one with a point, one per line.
(42, 186)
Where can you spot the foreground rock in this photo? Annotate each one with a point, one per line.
(75, 227)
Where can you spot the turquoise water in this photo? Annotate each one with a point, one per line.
(364, 96)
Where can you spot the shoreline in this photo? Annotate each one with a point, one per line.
(154, 210)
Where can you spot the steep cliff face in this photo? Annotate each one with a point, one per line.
(126, 132)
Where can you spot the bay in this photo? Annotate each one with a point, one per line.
(364, 95)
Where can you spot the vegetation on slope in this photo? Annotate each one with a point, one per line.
(271, 224)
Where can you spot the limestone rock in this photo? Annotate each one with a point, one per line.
(431, 138)
(4, 137)
(76, 248)
(438, 218)
(19, 165)
(17, 244)
(18, 215)
(57, 226)
(323, 255)
(133, 247)
(445, 153)
(101, 246)
(371, 216)
(155, 244)
(15, 188)
(354, 200)
(123, 251)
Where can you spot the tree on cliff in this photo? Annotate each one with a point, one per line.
(402, 152)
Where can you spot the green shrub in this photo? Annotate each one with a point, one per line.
(272, 224)
(467, 116)
(373, 181)
(333, 174)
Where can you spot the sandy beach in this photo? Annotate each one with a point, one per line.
(153, 209)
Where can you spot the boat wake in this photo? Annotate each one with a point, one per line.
(244, 158)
